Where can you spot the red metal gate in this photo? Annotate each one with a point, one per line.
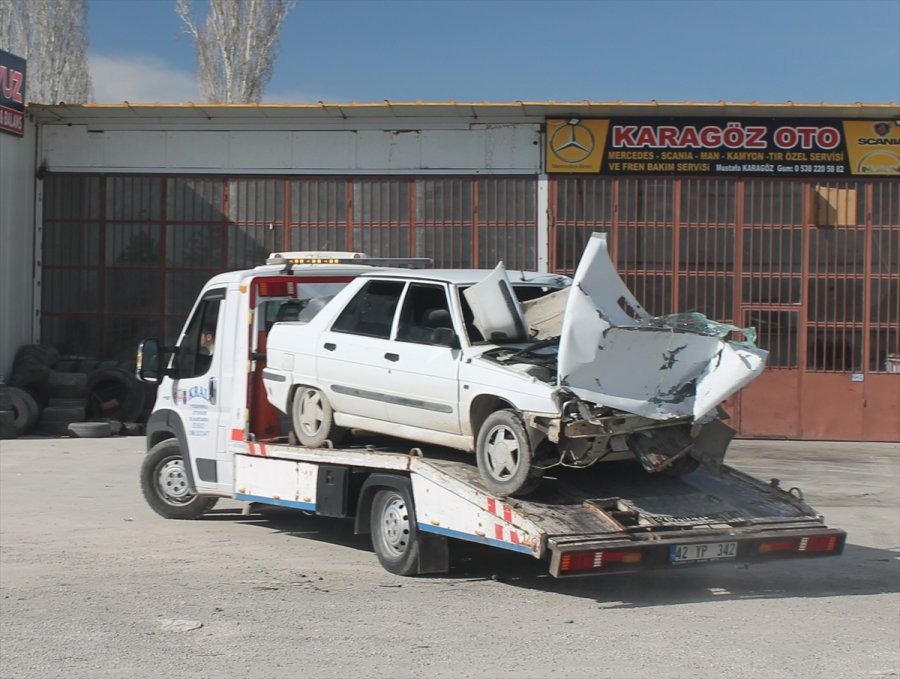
(125, 255)
(813, 266)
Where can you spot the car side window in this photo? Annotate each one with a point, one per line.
(425, 308)
(371, 311)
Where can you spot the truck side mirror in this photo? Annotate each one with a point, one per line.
(148, 364)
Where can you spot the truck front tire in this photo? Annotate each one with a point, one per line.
(166, 486)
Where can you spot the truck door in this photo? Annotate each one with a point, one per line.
(196, 389)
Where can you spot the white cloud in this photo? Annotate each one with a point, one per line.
(140, 79)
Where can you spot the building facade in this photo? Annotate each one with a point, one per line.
(781, 218)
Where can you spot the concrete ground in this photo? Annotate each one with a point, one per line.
(94, 584)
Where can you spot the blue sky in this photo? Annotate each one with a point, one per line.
(534, 50)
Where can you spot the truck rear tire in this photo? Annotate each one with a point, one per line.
(166, 487)
(394, 536)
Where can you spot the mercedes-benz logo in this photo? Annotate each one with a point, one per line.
(572, 142)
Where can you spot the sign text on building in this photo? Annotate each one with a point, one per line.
(716, 146)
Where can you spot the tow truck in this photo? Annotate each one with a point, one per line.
(213, 434)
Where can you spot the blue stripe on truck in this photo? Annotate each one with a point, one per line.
(243, 497)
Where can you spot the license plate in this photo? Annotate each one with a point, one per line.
(710, 551)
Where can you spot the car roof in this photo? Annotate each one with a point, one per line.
(465, 276)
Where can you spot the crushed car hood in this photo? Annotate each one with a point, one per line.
(614, 353)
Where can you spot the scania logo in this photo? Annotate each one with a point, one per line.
(572, 142)
(882, 129)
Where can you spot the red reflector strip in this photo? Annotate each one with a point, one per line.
(778, 546)
(621, 557)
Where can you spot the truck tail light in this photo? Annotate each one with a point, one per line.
(821, 543)
(277, 288)
(816, 544)
(590, 560)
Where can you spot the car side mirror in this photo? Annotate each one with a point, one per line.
(444, 337)
(147, 365)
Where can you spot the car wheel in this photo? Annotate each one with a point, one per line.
(504, 455)
(165, 484)
(393, 525)
(313, 418)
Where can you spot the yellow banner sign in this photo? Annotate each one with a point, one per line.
(575, 145)
(873, 147)
(800, 147)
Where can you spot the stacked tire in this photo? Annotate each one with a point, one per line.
(7, 415)
(73, 395)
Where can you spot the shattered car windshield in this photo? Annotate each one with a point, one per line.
(526, 294)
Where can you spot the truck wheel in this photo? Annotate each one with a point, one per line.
(504, 455)
(313, 418)
(393, 524)
(165, 485)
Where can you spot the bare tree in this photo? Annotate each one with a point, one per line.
(52, 36)
(236, 46)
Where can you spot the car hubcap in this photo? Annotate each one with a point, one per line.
(311, 413)
(395, 526)
(502, 452)
(173, 483)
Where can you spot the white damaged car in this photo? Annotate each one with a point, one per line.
(526, 370)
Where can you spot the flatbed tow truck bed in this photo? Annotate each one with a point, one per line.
(613, 517)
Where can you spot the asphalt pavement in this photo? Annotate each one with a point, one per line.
(94, 584)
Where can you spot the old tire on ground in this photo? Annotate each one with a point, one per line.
(132, 429)
(63, 414)
(67, 385)
(25, 407)
(8, 428)
(115, 393)
(32, 374)
(394, 537)
(90, 430)
(313, 418)
(165, 484)
(504, 455)
(51, 428)
(36, 353)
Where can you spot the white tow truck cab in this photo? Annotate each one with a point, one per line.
(213, 433)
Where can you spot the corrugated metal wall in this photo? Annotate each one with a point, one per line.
(814, 266)
(124, 255)
(17, 234)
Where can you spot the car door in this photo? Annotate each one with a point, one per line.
(351, 356)
(423, 370)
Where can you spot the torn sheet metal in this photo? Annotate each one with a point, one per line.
(497, 313)
(614, 353)
(544, 315)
